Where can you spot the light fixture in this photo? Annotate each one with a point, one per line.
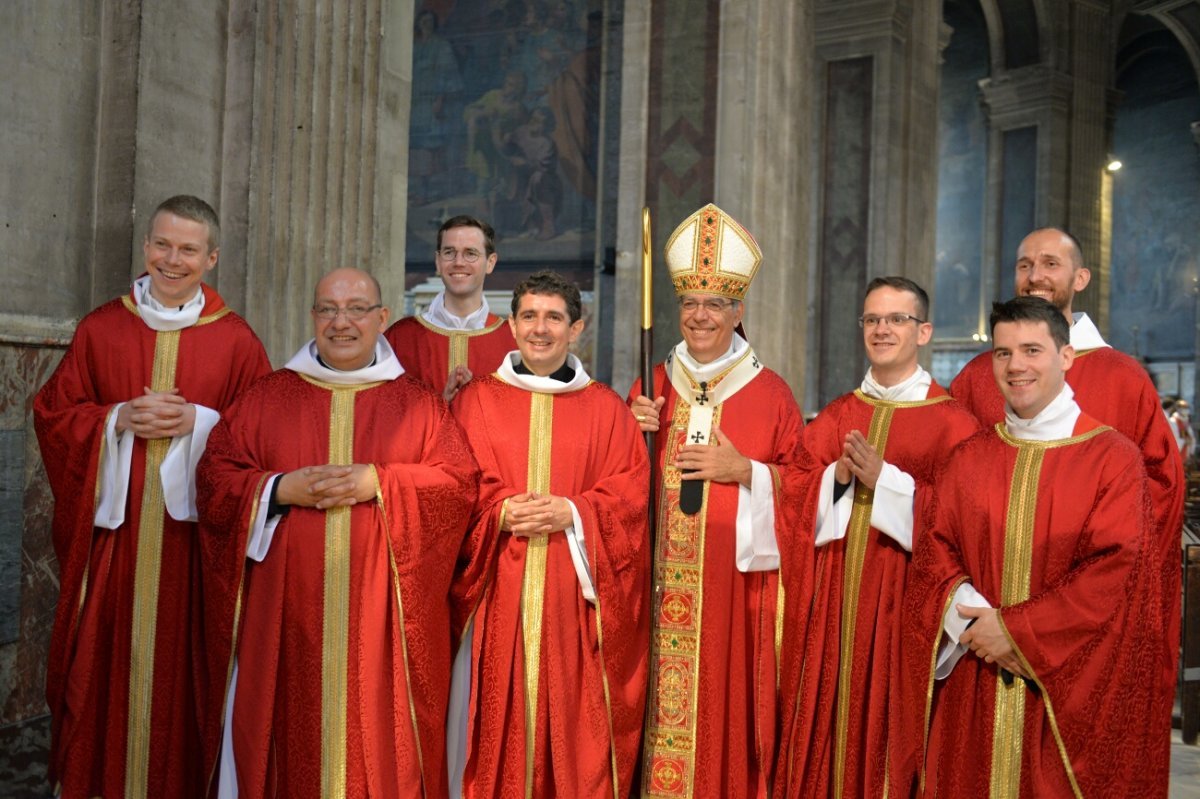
(1113, 164)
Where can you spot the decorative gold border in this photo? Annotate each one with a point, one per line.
(533, 588)
(145, 582)
(132, 307)
(852, 569)
(335, 626)
(412, 707)
(1058, 739)
(1013, 441)
(929, 686)
(671, 743)
(879, 403)
(1008, 717)
(237, 615)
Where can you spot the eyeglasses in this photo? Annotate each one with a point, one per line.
(893, 319)
(450, 254)
(352, 312)
(690, 305)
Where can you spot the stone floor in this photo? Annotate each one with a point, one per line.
(23, 763)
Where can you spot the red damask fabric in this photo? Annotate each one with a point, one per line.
(111, 360)
(425, 353)
(1089, 630)
(734, 709)
(592, 669)
(919, 440)
(402, 554)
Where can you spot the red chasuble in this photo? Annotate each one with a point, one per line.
(343, 649)
(837, 682)
(716, 634)
(570, 724)
(1114, 388)
(429, 352)
(1056, 538)
(124, 722)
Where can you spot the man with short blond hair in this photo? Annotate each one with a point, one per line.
(121, 424)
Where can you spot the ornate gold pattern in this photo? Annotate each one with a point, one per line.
(533, 588)
(852, 566)
(670, 740)
(1008, 719)
(145, 582)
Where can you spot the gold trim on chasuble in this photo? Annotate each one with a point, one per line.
(675, 644)
(533, 587)
(335, 624)
(857, 535)
(459, 339)
(1008, 720)
(145, 581)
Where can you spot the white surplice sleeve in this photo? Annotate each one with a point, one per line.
(178, 470)
(575, 543)
(112, 483)
(954, 625)
(757, 548)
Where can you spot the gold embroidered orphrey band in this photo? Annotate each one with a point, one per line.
(533, 588)
(145, 582)
(675, 644)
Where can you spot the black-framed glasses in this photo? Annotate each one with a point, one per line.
(351, 312)
(870, 321)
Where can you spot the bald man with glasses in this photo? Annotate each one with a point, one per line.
(457, 336)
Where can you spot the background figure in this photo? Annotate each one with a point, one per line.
(535, 186)
(435, 99)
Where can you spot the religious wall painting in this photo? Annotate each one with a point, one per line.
(504, 126)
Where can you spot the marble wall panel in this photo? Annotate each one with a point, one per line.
(845, 222)
(23, 370)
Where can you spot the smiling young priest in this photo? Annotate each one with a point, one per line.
(726, 456)
(1032, 628)
(871, 456)
(559, 638)
(335, 500)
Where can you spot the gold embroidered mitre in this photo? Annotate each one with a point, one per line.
(710, 253)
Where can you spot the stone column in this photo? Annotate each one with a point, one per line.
(877, 69)
(763, 164)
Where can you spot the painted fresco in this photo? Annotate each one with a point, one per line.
(504, 126)
(1156, 201)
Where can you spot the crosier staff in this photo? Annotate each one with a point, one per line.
(648, 349)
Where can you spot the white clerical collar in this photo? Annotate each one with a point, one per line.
(161, 318)
(437, 314)
(537, 383)
(1084, 334)
(913, 388)
(1055, 421)
(707, 371)
(386, 366)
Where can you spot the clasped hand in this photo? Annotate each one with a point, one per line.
(327, 486)
(535, 514)
(157, 414)
(987, 640)
(860, 460)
